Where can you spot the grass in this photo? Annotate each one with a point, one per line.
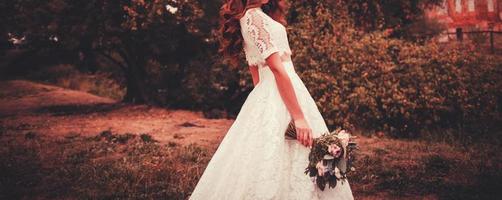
(419, 168)
(131, 166)
(108, 166)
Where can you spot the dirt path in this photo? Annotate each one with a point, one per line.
(27, 106)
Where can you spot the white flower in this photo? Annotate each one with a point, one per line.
(344, 137)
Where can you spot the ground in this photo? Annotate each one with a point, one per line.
(56, 112)
(65, 144)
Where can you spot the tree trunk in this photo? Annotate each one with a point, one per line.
(136, 87)
(87, 57)
(137, 91)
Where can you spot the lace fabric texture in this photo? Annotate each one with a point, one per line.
(263, 36)
(254, 161)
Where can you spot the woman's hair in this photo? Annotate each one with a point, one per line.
(231, 40)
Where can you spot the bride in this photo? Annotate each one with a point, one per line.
(254, 160)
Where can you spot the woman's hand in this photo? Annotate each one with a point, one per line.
(303, 132)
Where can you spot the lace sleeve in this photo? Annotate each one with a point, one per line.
(258, 29)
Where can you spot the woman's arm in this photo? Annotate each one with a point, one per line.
(256, 28)
(287, 92)
(254, 74)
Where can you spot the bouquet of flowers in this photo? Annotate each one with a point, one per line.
(330, 158)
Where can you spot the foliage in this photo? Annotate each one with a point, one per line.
(359, 78)
(331, 158)
(370, 81)
(400, 16)
(130, 34)
(423, 29)
(166, 57)
(206, 83)
(159, 45)
(6, 16)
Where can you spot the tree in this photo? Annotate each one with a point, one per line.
(5, 19)
(130, 34)
(398, 15)
(404, 18)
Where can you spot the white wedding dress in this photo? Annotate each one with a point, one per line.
(254, 161)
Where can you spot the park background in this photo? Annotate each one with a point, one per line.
(114, 99)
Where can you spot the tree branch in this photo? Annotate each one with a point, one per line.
(110, 58)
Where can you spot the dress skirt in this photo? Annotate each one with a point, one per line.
(254, 161)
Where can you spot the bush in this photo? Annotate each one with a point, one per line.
(68, 76)
(205, 83)
(370, 81)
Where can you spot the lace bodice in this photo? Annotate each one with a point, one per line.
(263, 36)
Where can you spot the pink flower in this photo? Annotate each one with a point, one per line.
(335, 150)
